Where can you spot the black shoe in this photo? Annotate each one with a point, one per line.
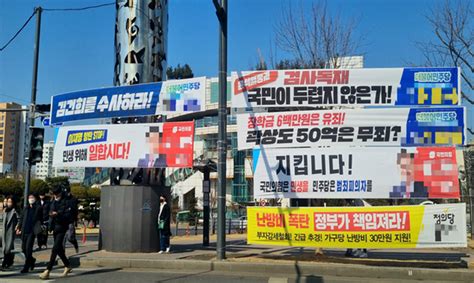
(24, 270)
(32, 266)
(77, 250)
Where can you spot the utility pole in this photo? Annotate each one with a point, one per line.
(221, 11)
(34, 83)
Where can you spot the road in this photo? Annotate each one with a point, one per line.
(81, 275)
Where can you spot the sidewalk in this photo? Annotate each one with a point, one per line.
(188, 253)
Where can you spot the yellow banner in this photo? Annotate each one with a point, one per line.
(359, 227)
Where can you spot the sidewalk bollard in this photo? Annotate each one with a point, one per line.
(187, 230)
(84, 237)
(319, 251)
(177, 222)
(196, 226)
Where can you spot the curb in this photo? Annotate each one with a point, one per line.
(286, 269)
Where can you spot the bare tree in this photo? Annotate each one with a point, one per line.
(453, 25)
(314, 37)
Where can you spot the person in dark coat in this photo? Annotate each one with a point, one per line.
(60, 217)
(71, 233)
(43, 236)
(30, 226)
(10, 221)
(164, 225)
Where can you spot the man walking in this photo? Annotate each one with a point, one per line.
(30, 226)
(60, 218)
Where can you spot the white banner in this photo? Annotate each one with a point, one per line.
(326, 87)
(366, 173)
(157, 145)
(361, 127)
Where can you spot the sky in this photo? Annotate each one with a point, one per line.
(77, 48)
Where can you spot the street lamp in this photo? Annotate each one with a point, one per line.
(221, 12)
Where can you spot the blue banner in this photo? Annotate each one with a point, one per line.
(123, 101)
(130, 101)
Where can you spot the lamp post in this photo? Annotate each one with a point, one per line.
(221, 11)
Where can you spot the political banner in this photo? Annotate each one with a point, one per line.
(363, 87)
(377, 227)
(362, 127)
(157, 145)
(347, 173)
(167, 97)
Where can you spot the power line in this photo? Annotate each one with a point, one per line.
(18, 32)
(80, 9)
(54, 10)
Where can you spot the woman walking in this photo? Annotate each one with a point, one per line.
(164, 223)
(10, 221)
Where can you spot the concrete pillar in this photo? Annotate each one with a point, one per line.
(128, 216)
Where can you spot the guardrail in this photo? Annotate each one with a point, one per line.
(233, 226)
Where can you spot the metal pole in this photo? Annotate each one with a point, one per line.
(206, 188)
(34, 83)
(468, 173)
(222, 133)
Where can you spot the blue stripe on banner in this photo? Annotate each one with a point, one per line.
(255, 155)
(123, 101)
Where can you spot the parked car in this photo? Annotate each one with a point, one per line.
(183, 216)
(239, 223)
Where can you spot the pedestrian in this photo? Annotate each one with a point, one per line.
(29, 227)
(43, 236)
(164, 223)
(71, 232)
(60, 217)
(360, 253)
(10, 221)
